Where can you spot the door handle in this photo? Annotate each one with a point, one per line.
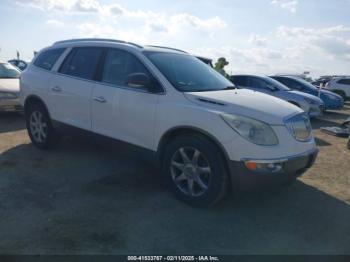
(100, 99)
(56, 89)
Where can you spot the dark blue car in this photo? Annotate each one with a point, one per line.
(331, 100)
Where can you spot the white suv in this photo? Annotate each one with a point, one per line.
(340, 85)
(208, 136)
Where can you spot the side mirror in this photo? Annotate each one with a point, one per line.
(138, 80)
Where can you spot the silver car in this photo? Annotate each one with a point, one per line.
(9, 88)
(312, 105)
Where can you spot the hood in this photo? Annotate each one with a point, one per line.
(247, 103)
(9, 85)
(306, 95)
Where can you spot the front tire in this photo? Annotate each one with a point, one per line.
(39, 127)
(195, 170)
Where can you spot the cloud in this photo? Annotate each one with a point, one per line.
(333, 41)
(54, 22)
(290, 5)
(47, 5)
(116, 10)
(337, 48)
(87, 6)
(153, 21)
(310, 33)
(257, 40)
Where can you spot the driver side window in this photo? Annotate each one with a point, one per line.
(118, 65)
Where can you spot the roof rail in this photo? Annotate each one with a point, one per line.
(170, 48)
(96, 40)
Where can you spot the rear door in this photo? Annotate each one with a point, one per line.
(71, 89)
(121, 111)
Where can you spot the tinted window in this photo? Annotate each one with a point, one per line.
(239, 80)
(257, 83)
(345, 81)
(47, 59)
(118, 65)
(291, 83)
(82, 62)
(188, 74)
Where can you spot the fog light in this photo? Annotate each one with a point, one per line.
(251, 165)
(267, 167)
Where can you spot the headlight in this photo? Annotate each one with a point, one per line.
(253, 130)
(8, 95)
(300, 128)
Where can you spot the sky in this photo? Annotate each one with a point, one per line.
(255, 36)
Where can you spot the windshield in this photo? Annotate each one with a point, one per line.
(188, 74)
(276, 84)
(8, 71)
(305, 83)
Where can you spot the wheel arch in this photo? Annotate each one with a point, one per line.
(34, 99)
(182, 130)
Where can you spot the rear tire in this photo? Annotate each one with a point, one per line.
(196, 170)
(39, 127)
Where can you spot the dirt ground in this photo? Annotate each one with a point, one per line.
(86, 198)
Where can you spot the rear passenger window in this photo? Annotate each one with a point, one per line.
(47, 59)
(118, 65)
(344, 81)
(82, 62)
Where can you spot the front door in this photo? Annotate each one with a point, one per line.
(121, 111)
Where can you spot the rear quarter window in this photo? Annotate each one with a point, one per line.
(47, 59)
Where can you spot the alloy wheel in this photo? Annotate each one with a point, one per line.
(190, 171)
(38, 126)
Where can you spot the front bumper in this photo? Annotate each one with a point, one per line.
(10, 105)
(290, 167)
(334, 105)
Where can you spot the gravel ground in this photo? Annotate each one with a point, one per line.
(88, 198)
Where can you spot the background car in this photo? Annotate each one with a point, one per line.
(340, 85)
(309, 103)
(20, 64)
(9, 88)
(331, 100)
(321, 82)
